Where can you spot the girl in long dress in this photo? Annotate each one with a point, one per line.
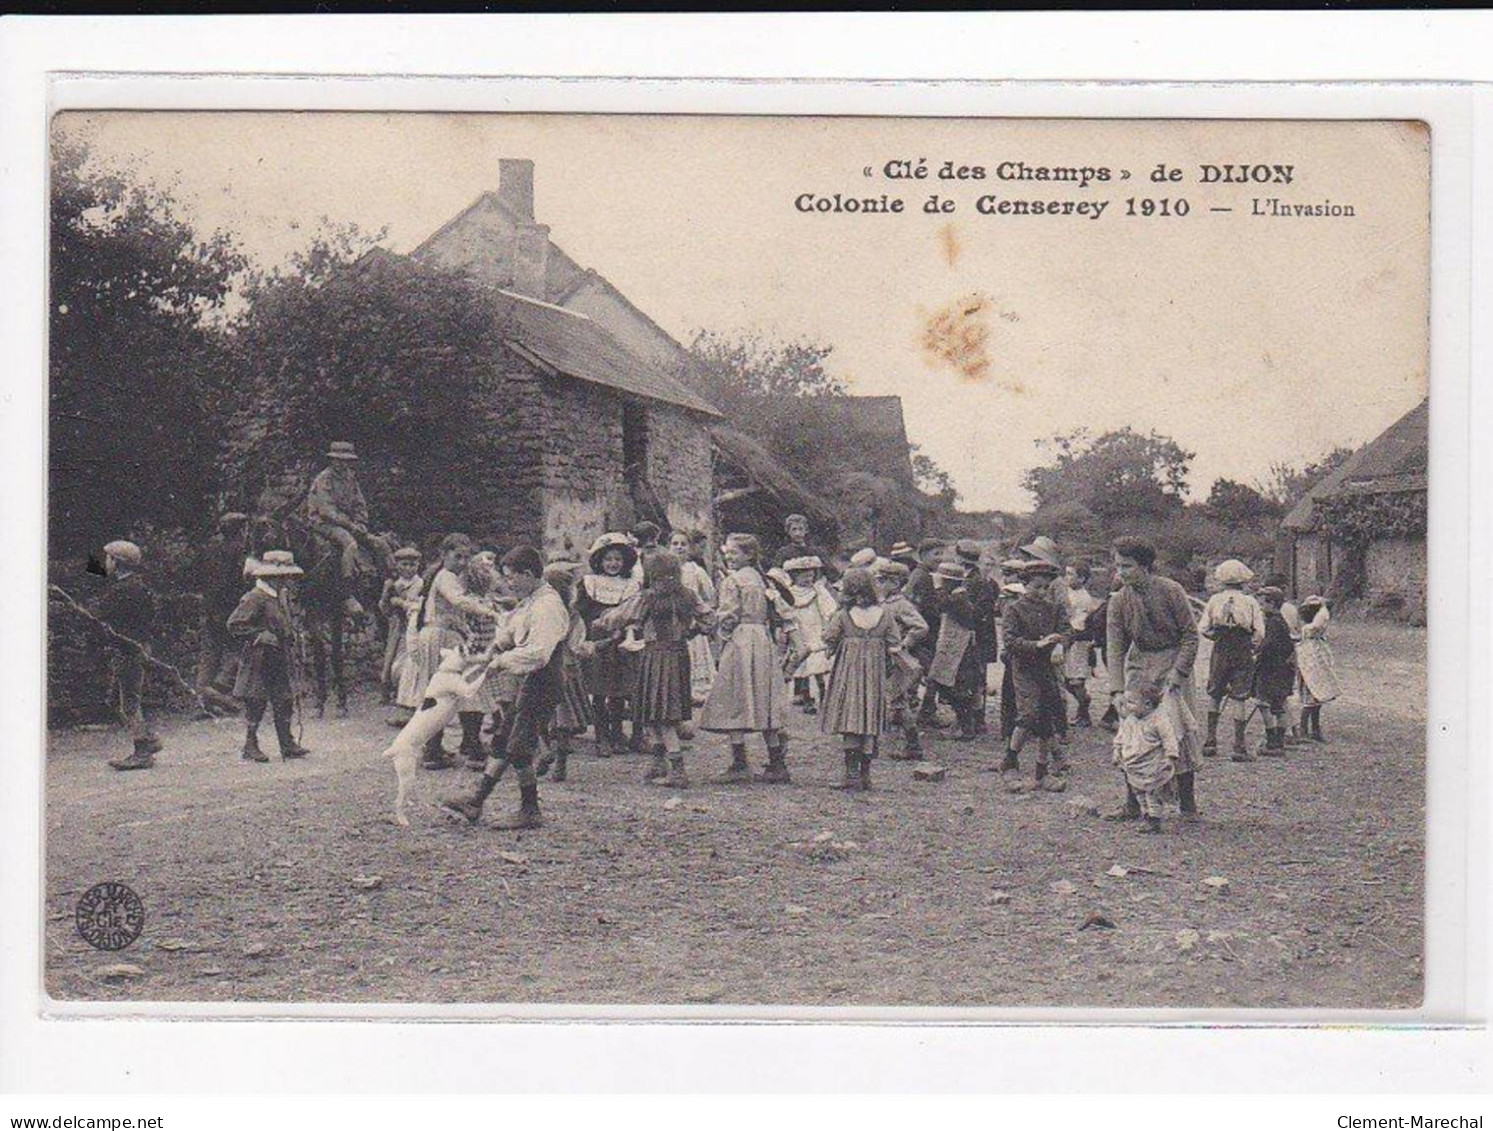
(865, 637)
(609, 670)
(668, 614)
(441, 624)
(696, 579)
(1318, 666)
(748, 695)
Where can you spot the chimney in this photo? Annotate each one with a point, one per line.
(531, 252)
(516, 186)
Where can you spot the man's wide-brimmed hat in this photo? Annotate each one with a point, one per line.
(810, 561)
(124, 551)
(613, 541)
(342, 449)
(277, 563)
(1232, 572)
(951, 571)
(1043, 549)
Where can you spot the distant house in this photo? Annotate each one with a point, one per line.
(611, 433)
(1360, 530)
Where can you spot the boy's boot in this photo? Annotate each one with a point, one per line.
(1317, 725)
(776, 772)
(865, 768)
(471, 738)
(252, 752)
(1049, 779)
(562, 758)
(139, 758)
(737, 771)
(436, 757)
(1275, 742)
(851, 779)
(1210, 744)
(527, 816)
(1186, 799)
(658, 766)
(676, 777)
(1241, 751)
(289, 747)
(469, 806)
(1081, 716)
(912, 748)
(1152, 825)
(1130, 811)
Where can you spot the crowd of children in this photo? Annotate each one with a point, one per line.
(642, 644)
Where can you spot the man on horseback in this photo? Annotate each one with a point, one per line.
(337, 510)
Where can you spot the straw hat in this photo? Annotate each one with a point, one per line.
(1044, 549)
(968, 551)
(407, 554)
(277, 563)
(886, 567)
(862, 557)
(811, 561)
(613, 541)
(343, 450)
(902, 551)
(951, 571)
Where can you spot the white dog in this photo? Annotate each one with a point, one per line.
(457, 678)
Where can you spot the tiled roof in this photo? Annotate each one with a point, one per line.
(575, 346)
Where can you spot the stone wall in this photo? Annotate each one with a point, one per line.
(506, 463)
(680, 466)
(1395, 578)
(582, 444)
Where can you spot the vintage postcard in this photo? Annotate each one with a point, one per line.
(737, 561)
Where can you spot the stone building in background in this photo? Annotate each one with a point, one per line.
(1360, 532)
(591, 397)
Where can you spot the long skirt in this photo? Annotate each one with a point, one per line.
(701, 667)
(748, 693)
(573, 712)
(610, 672)
(661, 691)
(421, 663)
(1180, 703)
(856, 702)
(1318, 667)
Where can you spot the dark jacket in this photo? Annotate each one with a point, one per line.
(1275, 665)
(1027, 620)
(982, 600)
(263, 623)
(128, 606)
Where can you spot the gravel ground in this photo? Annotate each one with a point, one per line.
(285, 882)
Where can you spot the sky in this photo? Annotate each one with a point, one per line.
(1249, 340)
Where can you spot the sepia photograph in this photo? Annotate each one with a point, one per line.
(711, 562)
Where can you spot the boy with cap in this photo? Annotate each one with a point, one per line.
(1233, 621)
(1032, 627)
(926, 596)
(1274, 671)
(128, 608)
(263, 621)
(983, 598)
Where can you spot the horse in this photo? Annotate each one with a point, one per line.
(324, 594)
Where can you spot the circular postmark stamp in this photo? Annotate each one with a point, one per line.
(110, 916)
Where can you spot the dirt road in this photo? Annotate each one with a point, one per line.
(284, 882)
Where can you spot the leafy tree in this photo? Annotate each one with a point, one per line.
(1285, 484)
(136, 371)
(345, 343)
(1239, 505)
(736, 373)
(1115, 475)
(931, 478)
